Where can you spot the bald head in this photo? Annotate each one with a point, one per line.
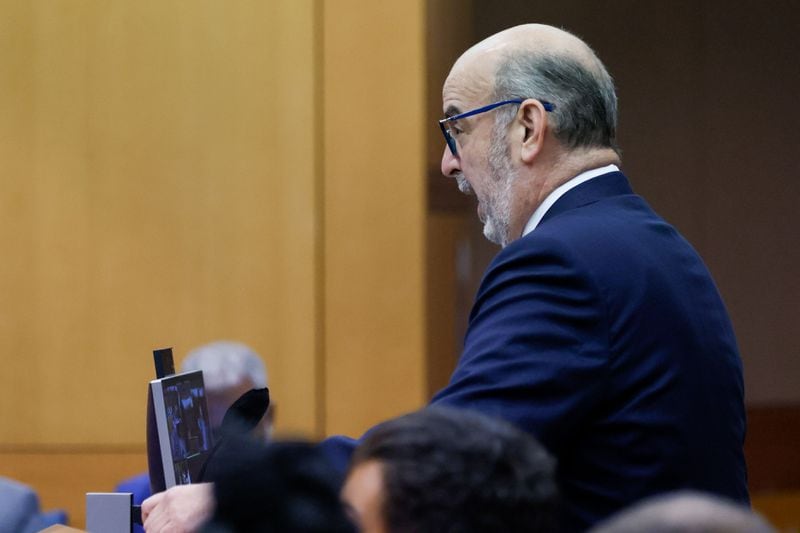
(531, 39)
(549, 64)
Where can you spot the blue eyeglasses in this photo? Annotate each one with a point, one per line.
(451, 142)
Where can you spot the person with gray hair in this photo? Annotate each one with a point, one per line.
(685, 512)
(597, 328)
(229, 370)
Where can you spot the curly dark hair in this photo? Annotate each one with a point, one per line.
(455, 471)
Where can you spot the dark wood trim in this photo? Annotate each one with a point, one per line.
(772, 448)
(444, 196)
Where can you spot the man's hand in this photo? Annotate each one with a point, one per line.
(181, 509)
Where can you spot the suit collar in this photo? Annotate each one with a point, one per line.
(607, 185)
(560, 191)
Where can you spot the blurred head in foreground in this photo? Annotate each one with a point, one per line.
(685, 512)
(281, 487)
(439, 470)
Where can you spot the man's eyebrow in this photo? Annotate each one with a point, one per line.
(451, 111)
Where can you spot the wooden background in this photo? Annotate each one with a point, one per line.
(178, 172)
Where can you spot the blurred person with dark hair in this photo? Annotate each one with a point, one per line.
(283, 487)
(447, 470)
(685, 512)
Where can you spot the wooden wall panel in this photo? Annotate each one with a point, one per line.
(158, 188)
(444, 232)
(781, 509)
(449, 211)
(751, 216)
(771, 448)
(374, 211)
(63, 477)
(175, 173)
(165, 184)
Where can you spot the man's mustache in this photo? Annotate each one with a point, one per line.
(463, 184)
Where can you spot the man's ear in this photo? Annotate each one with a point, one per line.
(532, 117)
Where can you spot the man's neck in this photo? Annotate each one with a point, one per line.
(560, 169)
(571, 163)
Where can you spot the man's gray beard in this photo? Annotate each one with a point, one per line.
(498, 199)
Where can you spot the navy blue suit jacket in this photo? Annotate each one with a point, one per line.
(602, 333)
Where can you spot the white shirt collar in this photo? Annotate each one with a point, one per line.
(553, 197)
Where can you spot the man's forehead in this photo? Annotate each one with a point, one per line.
(468, 83)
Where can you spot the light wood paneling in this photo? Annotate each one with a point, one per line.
(175, 173)
(374, 211)
(158, 188)
(62, 478)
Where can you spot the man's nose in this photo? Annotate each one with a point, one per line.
(451, 165)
